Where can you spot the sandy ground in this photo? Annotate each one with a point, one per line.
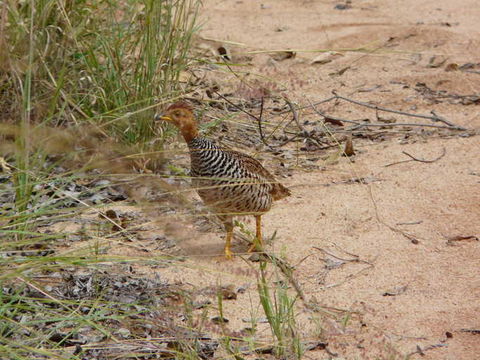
(433, 283)
(386, 248)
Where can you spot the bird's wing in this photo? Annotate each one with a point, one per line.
(278, 190)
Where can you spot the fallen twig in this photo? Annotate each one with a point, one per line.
(295, 114)
(426, 161)
(236, 106)
(441, 119)
(358, 124)
(433, 117)
(284, 267)
(259, 121)
(413, 158)
(257, 118)
(410, 223)
(421, 351)
(355, 257)
(335, 119)
(451, 240)
(311, 104)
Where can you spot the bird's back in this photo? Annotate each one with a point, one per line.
(232, 182)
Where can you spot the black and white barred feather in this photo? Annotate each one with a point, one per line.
(230, 182)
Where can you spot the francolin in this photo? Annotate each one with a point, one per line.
(229, 182)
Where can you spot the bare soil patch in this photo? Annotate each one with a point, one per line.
(422, 288)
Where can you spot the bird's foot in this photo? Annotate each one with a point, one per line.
(228, 254)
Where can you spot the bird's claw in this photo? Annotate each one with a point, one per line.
(228, 254)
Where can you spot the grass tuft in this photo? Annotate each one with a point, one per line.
(79, 84)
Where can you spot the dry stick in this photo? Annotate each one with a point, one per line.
(410, 222)
(426, 161)
(359, 125)
(295, 115)
(412, 158)
(295, 118)
(313, 104)
(442, 119)
(434, 117)
(260, 130)
(288, 272)
(259, 119)
(356, 122)
(421, 351)
(304, 132)
(285, 268)
(355, 259)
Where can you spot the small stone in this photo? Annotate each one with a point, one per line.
(219, 320)
(124, 333)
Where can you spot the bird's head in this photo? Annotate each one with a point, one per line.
(181, 115)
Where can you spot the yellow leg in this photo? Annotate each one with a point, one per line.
(258, 243)
(228, 240)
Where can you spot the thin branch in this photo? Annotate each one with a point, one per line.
(312, 104)
(259, 121)
(403, 124)
(257, 118)
(359, 125)
(236, 106)
(412, 158)
(442, 119)
(433, 117)
(421, 351)
(356, 122)
(295, 114)
(355, 257)
(426, 161)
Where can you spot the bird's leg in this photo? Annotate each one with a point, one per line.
(258, 243)
(228, 239)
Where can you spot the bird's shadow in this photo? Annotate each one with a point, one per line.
(212, 250)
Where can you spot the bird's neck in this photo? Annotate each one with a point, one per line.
(189, 131)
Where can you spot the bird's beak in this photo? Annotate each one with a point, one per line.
(162, 117)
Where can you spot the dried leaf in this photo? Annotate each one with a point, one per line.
(228, 292)
(436, 62)
(451, 67)
(333, 121)
(451, 240)
(4, 165)
(395, 291)
(349, 151)
(326, 57)
(224, 52)
(219, 320)
(389, 120)
(340, 72)
(283, 55)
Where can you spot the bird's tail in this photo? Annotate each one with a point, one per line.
(279, 191)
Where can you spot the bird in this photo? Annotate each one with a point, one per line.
(229, 182)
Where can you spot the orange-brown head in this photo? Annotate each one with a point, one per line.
(181, 115)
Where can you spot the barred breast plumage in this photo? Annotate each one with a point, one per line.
(229, 182)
